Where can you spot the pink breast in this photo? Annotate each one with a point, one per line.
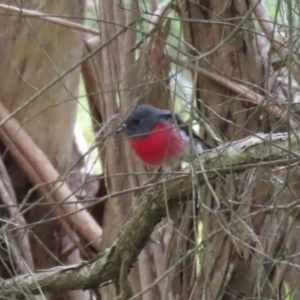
(163, 144)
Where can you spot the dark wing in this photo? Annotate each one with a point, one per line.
(186, 128)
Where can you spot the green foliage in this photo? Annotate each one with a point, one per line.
(85, 123)
(289, 295)
(271, 6)
(83, 114)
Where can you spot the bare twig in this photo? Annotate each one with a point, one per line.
(46, 17)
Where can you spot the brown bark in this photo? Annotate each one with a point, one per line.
(33, 53)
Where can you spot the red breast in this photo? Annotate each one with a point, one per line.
(162, 144)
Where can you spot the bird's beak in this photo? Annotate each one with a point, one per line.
(121, 128)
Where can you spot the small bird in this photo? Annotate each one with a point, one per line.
(160, 137)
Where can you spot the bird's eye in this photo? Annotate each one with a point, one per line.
(136, 121)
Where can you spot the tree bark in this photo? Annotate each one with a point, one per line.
(33, 53)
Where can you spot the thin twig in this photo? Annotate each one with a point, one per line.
(51, 19)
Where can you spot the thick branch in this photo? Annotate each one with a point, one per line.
(247, 93)
(151, 209)
(40, 171)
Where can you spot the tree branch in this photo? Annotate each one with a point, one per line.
(247, 93)
(262, 148)
(46, 179)
(52, 19)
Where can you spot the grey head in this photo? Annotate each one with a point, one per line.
(143, 118)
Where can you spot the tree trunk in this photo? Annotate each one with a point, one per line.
(33, 53)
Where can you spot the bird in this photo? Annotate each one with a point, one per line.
(160, 137)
